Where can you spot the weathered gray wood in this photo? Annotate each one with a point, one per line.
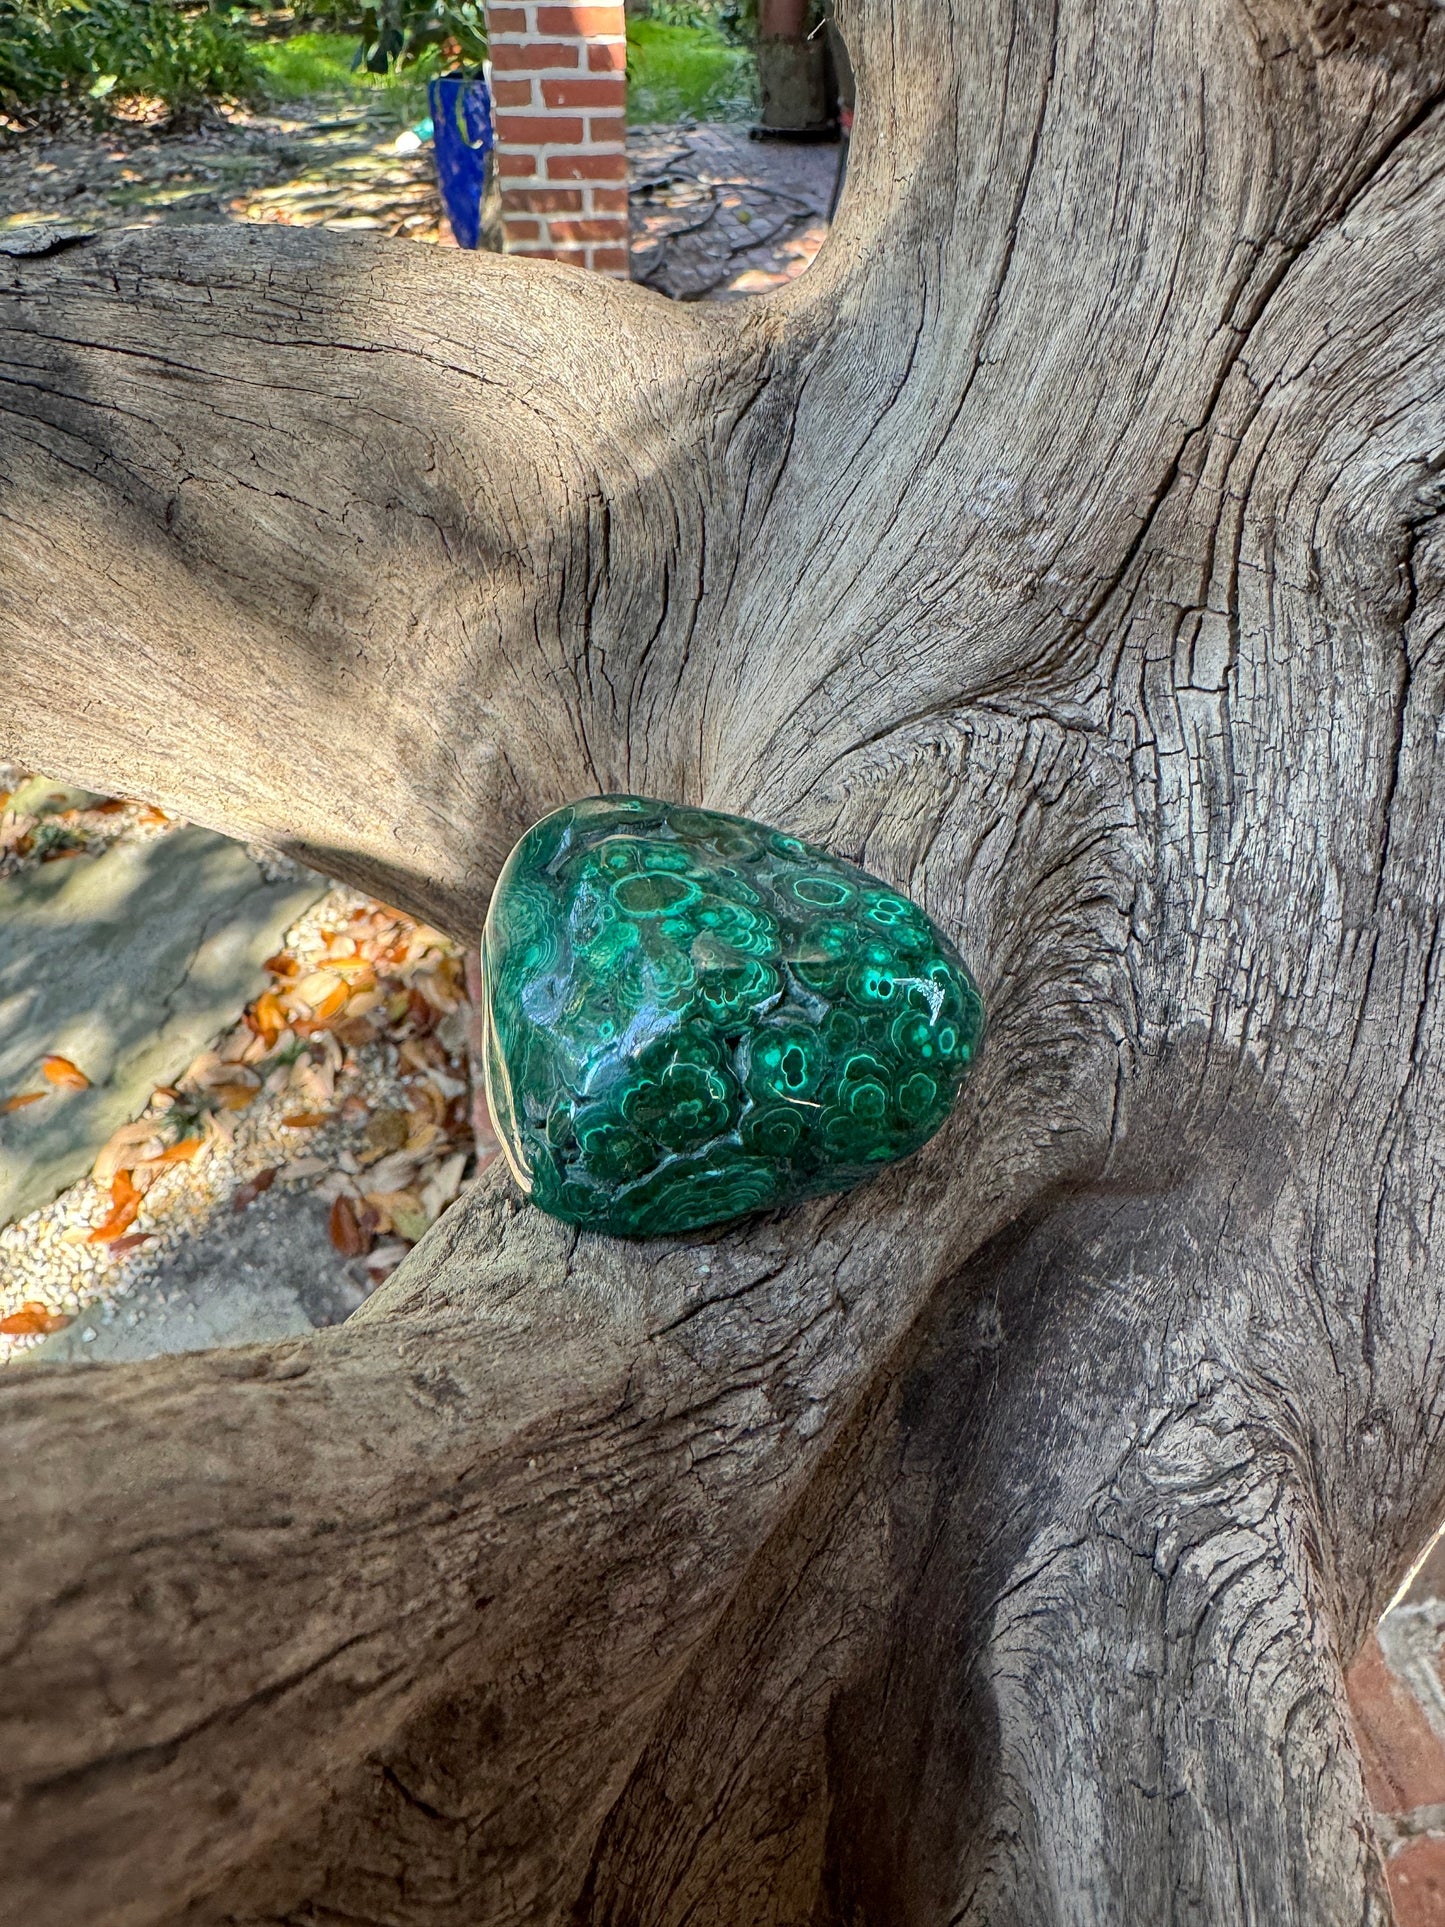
(983, 1548)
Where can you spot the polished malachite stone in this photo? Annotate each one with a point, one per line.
(690, 1017)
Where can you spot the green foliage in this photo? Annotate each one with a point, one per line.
(735, 20)
(677, 70)
(395, 33)
(122, 49)
(114, 50)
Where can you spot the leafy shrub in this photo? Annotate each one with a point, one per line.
(735, 20)
(396, 32)
(121, 49)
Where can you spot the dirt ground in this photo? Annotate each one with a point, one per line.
(327, 166)
(715, 215)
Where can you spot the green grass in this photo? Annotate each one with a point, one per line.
(312, 66)
(677, 72)
(309, 63)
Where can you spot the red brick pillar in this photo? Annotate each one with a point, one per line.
(560, 84)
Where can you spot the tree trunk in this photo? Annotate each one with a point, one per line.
(983, 1547)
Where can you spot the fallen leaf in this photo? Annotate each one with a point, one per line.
(54, 855)
(235, 1044)
(152, 817)
(181, 1152)
(423, 1053)
(332, 1003)
(408, 1216)
(312, 1085)
(353, 1227)
(386, 1131)
(315, 987)
(126, 1148)
(306, 1120)
(109, 807)
(114, 1226)
(18, 1102)
(357, 969)
(443, 1186)
(252, 1189)
(133, 1240)
(394, 1173)
(426, 1104)
(33, 1320)
(267, 1016)
(61, 1071)
(385, 1259)
(125, 1201)
(234, 1097)
(299, 1168)
(281, 965)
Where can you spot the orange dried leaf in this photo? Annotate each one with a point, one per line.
(116, 1225)
(33, 1320)
(267, 1017)
(233, 1097)
(331, 1003)
(281, 965)
(60, 1070)
(19, 1101)
(306, 1120)
(132, 1241)
(181, 1153)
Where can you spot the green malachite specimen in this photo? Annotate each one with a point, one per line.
(690, 1017)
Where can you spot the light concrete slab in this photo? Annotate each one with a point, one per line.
(127, 963)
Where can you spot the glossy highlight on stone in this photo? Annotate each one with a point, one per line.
(691, 1017)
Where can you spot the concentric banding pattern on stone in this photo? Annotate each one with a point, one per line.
(691, 1017)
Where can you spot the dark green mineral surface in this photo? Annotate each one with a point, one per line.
(690, 1017)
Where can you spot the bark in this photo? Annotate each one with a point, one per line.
(984, 1547)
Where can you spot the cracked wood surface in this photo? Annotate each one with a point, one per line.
(1065, 546)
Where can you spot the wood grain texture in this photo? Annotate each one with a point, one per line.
(1067, 547)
